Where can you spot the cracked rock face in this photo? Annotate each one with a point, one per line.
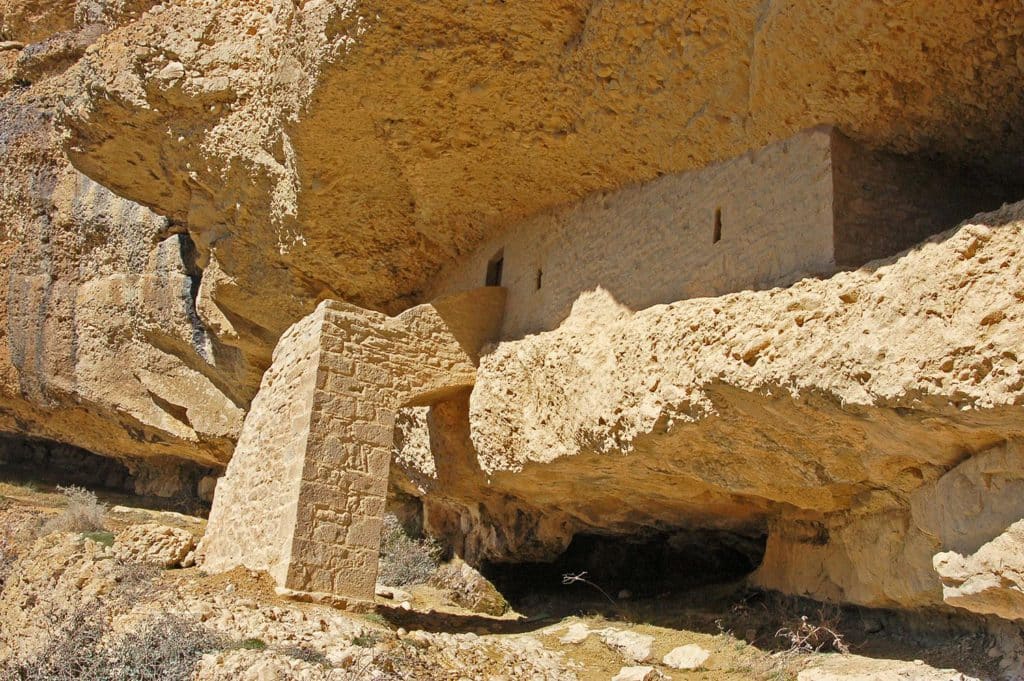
(100, 344)
(184, 181)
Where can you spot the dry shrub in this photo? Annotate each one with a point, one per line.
(807, 636)
(165, 648)
(405, 559)
(83, 513)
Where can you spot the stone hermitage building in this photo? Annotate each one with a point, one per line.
(304, 494)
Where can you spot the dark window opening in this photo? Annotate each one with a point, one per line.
(540, 276)
(494, 268)
(718, 226)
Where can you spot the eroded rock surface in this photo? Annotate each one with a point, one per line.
(351, 148)
(100, 345)
(235, 163)
(838, 416)
(154, 544)
(989, 581)
(468, 588)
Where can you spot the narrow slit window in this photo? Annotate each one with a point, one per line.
(494, 267)
(540, 277)
(718, 226)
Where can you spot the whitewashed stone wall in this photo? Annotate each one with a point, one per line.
(654, 243)
(797, 207)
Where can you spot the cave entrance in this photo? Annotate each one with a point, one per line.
(634, 567)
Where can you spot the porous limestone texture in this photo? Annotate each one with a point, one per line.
(344, 149)
(863, 422)
(802, 206)
(154, 544)
(100, 346)
(349, 149)
(59, 574)
(304, 494)
(239, 161)
(989, 581)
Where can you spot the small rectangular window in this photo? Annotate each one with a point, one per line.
(718, 226)
(494, 267)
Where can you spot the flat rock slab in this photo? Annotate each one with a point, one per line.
(636, 674)
(577, 633)
(631, 645)
(856, 668)
(686, 657)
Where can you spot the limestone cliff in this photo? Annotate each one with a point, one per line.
(184, 181)
(863, 422)
(100, 345)
(350, 148)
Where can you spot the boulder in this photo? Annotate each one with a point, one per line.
(154, 544)
(686, 657)
(636, 674)
(631, 645)
(989, 581)
(468, 588)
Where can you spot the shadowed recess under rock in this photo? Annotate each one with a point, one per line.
(639, 566)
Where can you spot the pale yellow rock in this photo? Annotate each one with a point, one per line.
(858, 404)
(98, 342)
(576, 633)
(630, 644)
(155, 544)
(328, 157)
(304, 495)
(857, 668)
(59, 574)
(989, 581)
(690, 656)
(469, 589)
(636, 674)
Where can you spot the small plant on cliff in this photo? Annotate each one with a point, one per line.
(83, 513)
(405, 559)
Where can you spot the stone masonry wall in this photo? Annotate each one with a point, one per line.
(654, 243)
(343, 488)
(807, 205)
(261, 485)
(348, 370)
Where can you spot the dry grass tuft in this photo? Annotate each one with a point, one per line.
(83, 513)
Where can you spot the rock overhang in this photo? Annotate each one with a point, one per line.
(364, 146)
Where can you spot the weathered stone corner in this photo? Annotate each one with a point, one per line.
(304, 494)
